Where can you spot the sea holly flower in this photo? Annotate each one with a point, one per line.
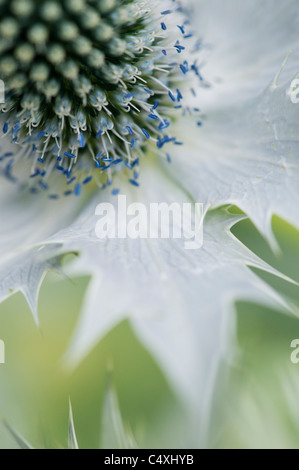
(241, 150)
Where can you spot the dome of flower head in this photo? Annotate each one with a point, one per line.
(90, 84)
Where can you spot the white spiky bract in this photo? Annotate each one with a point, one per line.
(182, 306)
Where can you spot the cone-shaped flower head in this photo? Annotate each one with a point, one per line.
(89, 85)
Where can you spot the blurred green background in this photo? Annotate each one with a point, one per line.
(256, 406)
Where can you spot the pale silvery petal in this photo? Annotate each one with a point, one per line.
(245, 44)
(27, 220)
(248, 159)
(246, 152)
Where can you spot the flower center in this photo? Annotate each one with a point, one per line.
(90, 84)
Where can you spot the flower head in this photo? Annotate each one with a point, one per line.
(90, 84)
